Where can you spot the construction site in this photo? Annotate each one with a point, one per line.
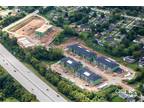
(33, 30)
(107, 77)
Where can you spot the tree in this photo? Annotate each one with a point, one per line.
(1, 96)
(84, 35)
(9, 19)
(80, 97)
(41, 53)
(28, 9)
(102, 15)
(10, 90)
(63, 85)
(75, 16)
(28, 98)
(44, 10)
(136, 54)
(123, 31)
(65, 88)
(60, 21)
(69, 31)
(115, 17)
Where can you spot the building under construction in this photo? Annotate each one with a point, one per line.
(43, 30)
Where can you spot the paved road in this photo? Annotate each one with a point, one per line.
(27, 78)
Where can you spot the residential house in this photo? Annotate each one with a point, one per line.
(129, 96)
(141, 62)
(129, 59)
(89, 76)
(82, 52)
(71, 64)
(107, 64)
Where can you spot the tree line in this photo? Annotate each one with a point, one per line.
(11, 90)
(63, 85)
(10, 19)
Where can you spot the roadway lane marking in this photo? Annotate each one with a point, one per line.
(26, 77)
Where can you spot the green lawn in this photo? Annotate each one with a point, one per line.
(10, 99)
(48, 63)
(117, 99)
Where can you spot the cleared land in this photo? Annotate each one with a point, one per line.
(27, 27)
(110, 78)
(68, 75)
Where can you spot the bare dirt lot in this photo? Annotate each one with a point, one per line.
(49, 37)
(77, 81)
(27, 29)
(112, 78)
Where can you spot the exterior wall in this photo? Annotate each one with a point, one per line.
(115, 68)
(70, 68)
(102, 66)
(98, 81)
(39, 33)
(42, 33)
(89, 81)
(90, 59)
(108, 69)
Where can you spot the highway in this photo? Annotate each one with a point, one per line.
(27, 78)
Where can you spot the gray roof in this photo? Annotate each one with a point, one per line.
(109, 63)
(109, 38)
(83, 51)
(88, 74)
(71, 63)
(141, 61)
(129, 59)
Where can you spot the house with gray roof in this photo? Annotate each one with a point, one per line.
(141, 62)
(89, 76)
(82, 52)
(71, 64)
(129, 59)
(107, 64)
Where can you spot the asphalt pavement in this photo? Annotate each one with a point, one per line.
(27, 78)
